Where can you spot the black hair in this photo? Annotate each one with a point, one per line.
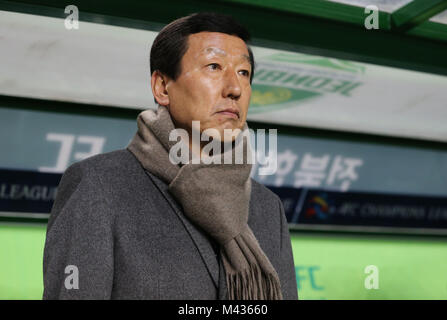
(171, 43)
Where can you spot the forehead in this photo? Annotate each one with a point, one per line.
(215, 43)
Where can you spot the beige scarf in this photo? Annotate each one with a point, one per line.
(215, 197)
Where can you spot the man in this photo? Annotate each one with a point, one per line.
(131, 224)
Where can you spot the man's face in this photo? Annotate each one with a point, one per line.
(215, 76)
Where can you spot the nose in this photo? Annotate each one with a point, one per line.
(232, 86)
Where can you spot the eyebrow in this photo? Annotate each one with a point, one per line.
(221, 52)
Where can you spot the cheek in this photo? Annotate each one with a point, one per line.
(200, 86)
(207, 86)
(194, 99)
(206, 93)
(182, 96)
(247, 96)
(248, 92)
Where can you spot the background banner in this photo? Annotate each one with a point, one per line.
(109, 66)
(37, 147)
(51, 141)
(348, 210)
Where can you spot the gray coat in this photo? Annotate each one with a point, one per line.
(129, 238)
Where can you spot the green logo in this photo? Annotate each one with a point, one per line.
(318, 61)
(285, 80)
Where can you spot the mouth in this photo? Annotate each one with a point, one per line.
(229, 112)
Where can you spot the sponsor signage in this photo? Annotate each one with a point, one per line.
(27, 194)
(36, 148)
(332, 210)
(51, 141)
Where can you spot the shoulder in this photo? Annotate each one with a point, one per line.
(261, 193)
(266, 219)
(104, 173)
(105, 162)
(116, 163)
(265, 205)
(82, 185)
(106, 178)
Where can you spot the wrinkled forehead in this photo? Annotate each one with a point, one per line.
(217, 44)
(210, 52)
(214, 50)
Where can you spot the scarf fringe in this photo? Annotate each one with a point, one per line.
(252, 284)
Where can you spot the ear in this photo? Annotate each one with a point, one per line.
(158, 84)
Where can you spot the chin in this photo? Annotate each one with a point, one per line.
(232, 124)
(232, 137)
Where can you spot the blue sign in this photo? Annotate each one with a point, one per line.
(332, 208)
(27, 193)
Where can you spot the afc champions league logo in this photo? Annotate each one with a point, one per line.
(319, 207)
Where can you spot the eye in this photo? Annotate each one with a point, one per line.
(245, 73)
(213, 66)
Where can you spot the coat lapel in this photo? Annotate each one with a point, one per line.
(199, 238)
